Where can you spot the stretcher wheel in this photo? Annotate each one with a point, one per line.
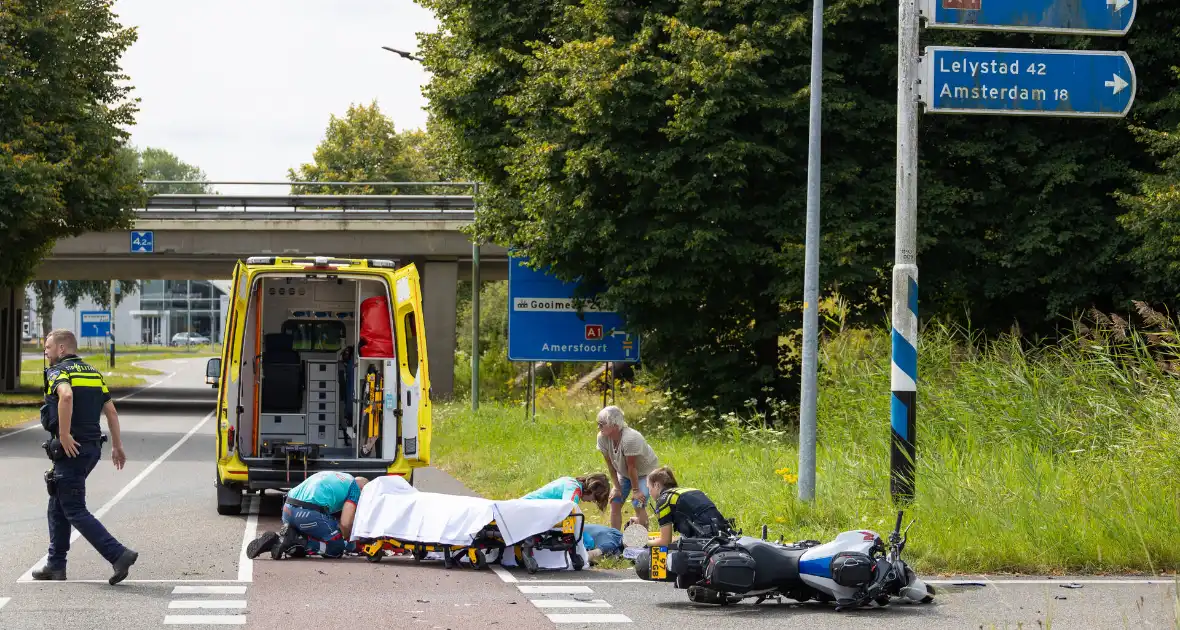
(448, 561)
(530, 563)
(419, 553)
(576, 560)
(375, 557)
(481, 559)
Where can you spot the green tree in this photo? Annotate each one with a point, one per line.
(62, 113)
(364, 146)
(162, 165)
(660, 153)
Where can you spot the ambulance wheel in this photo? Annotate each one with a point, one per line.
(229, 499)
(577, 560)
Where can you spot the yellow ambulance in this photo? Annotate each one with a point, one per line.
(323, 367)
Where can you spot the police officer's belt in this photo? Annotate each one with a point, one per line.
(310, 506)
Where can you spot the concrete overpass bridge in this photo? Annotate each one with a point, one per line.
(199, 236)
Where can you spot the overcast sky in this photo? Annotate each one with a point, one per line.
(244, 88)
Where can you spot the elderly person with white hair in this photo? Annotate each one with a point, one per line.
(629, 459)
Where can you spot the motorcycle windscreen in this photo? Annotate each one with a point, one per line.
(412, 361)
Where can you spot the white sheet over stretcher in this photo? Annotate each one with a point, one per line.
(391, 508)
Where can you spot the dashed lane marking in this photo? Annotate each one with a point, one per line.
(207, 603)
(569, 603)
(205, 620)
(541, 589)
(587, 618)
(209, 590)
(4, 601)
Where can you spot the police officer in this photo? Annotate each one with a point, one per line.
(75, 397)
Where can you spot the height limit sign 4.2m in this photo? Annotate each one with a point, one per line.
(1066, 83)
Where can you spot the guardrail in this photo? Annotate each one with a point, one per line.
(444, 206)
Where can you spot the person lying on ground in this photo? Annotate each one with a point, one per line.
(629, 460)
(594, 487)
(310, 524)
(685, 511)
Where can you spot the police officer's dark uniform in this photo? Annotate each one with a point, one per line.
(66, 482)
(690, 512)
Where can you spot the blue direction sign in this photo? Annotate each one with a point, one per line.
(143, 242)
(95, 323)
(1077, 17)
(543, 325)
(1034, 82)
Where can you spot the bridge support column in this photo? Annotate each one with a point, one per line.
(440, 302)
(11, 316)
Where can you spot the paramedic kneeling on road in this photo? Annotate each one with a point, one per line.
(687, 511)
(308, 518)
(599, 539)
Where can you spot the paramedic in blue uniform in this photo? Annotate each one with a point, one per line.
(310, 524)
(75, 398)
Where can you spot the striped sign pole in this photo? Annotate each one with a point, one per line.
(904, 373)
(904, 382)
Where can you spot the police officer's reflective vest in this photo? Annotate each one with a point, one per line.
(90, 395)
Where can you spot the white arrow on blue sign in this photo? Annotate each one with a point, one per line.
(1029, 82)
(143, 242)
(1072, 17)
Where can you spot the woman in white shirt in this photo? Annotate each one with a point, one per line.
(629, 459)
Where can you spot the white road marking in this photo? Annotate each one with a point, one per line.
(524, 588)
(207, 603)
(28, 576)
(503, 573)
(12, 433)
(126, 489)
(593, 581)
(1128, 582)
(137, 582)
(209, 590)
(245, 564)
(587, 618)
(570, 603)
(206, 620)
(145, 387)
(4, 601)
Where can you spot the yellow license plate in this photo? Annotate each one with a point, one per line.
(568, 525)
(659, 563)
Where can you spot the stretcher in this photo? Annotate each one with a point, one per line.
(394, 517)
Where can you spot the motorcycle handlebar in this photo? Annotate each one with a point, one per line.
(897, 526)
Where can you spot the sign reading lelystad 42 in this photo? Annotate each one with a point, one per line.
(1071, 83)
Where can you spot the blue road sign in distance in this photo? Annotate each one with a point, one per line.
(143, 242)
(1031, 82)
(1070, 17)
(95, 323)
(543, 325)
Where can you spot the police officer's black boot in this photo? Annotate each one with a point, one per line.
(122, 566)
(45, 573)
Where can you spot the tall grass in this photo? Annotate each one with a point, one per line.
(1060, 458)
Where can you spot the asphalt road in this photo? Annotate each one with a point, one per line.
(192, 572)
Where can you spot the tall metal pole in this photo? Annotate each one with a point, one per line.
(807, 404)
(475, 326)
(475, 309)
(904, 372)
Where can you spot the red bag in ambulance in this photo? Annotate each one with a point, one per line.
(376, 338)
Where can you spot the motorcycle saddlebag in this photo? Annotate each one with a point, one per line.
(852, 569)
(731, 571)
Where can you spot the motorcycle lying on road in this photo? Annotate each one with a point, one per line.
(854, 570)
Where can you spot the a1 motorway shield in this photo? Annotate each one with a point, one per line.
(1034, 82)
